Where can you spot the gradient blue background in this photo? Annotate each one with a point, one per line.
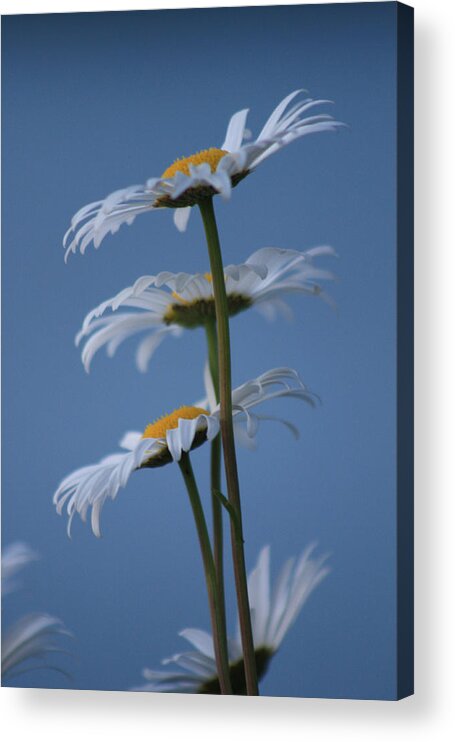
(94, 102)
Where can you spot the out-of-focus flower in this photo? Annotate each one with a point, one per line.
(14, 558)
(161, 306)
(273, 611)
(28, 643)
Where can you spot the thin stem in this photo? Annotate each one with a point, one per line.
(215, 472)
(212, 346)
(219, 636)
(227, 436)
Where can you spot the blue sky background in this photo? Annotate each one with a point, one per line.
(94, 102)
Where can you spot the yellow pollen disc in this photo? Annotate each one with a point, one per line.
(159, 428)
(211, 156)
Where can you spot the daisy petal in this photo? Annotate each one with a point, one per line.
(181, 217)
(235, 131)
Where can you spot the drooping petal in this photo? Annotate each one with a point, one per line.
(193, 662)
(148, 346)
(181, 218)
(90, 486)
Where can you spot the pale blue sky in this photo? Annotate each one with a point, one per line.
(94, 102)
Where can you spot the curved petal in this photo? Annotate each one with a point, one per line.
(235, 131)
(14, 558)
(201, 640)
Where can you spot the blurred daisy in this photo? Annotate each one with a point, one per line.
(27, 644)
(190, 179)
(14, 558)
(273, 611)
(164, 440)
(161, 306)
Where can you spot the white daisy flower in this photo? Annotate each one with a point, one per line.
(190, 179)
(273, 611)
(33, 636)
(163, 305)
(164, 440)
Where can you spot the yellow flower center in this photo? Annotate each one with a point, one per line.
(211, 156)
(159, 428)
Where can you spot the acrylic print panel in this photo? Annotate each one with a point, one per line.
(291, 227)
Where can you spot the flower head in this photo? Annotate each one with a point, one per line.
(189, 179)
(163, 305)
(164, 441)
(273, 611)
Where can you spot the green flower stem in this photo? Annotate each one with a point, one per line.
(212, 345)
(215, 471)
(227, 436)
(217, 619)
